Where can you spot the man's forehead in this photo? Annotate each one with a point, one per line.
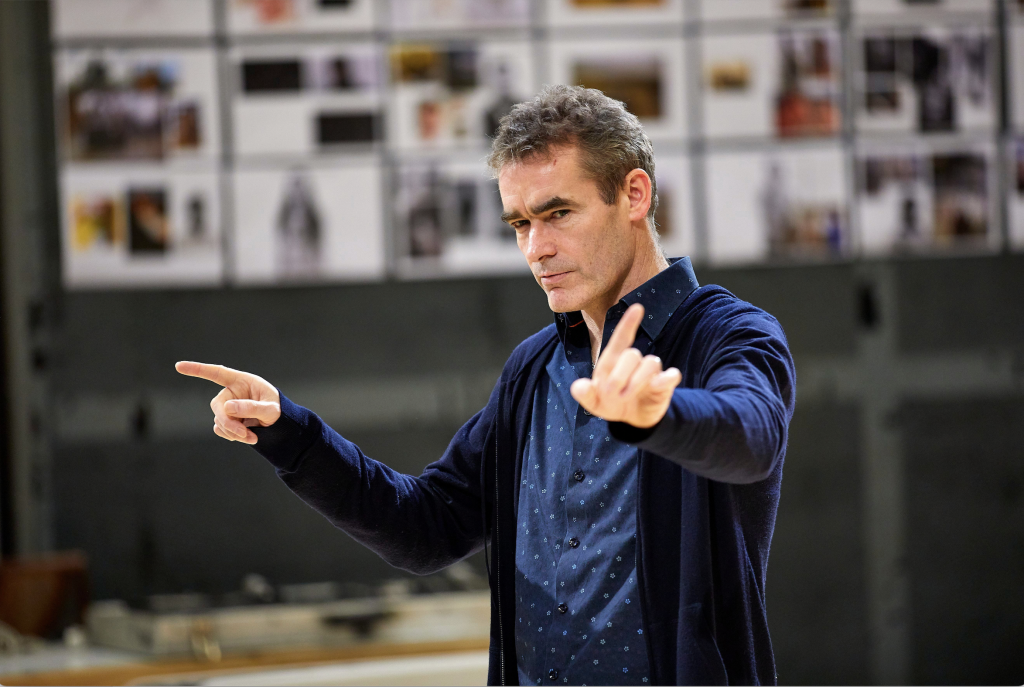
(538, 175)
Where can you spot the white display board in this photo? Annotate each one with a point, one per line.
(1015, 192)
(303, 99)
(450, 95)
(782, 84)
(132, 105)
(674, 215)
(927, 198)
(576, 13)
(211, 117)
(784, 203)
(746, 10)
(308, 224)
(648, 75)
(255, 17)
(140, 225)
(1015, 69)
(448, 221)
(431, 15)
(926, 8)
(928, 80)
(131, 18)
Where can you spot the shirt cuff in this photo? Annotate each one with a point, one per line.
(285, 442)
(628, 434)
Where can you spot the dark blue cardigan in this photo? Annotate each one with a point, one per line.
(709, 478)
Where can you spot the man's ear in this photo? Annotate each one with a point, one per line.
(637, 187)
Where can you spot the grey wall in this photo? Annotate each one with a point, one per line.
(163, 506)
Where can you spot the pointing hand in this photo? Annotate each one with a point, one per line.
(245, 401)
(627, 386)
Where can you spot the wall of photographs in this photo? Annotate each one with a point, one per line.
(256, 142)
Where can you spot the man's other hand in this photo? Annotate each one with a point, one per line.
(627, 386)
(245, 401)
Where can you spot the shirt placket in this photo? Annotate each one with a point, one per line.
(566, 556)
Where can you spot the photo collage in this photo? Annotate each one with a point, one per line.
(262, 142)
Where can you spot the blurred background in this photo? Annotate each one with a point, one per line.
(297, 188)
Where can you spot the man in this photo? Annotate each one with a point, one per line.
(628, 506)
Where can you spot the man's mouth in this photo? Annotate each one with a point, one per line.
(552, 278)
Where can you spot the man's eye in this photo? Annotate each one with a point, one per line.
(558, 214)
(520, 225)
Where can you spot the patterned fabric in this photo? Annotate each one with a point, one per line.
(578, 617)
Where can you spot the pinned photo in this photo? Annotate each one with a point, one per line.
(926, 81)
(748, 10)
(148, 230)
(576, 13)
(636, 81)
(309, 223)
(269, 12)
(796, 227)
(306, 97)
(618, 3)
(780, 204)
(924, 201)
(299, 230)
(782, 84)
(97, 222)
(729, 76)
(448, 217)
(456, 14)
(298, 16)
(134, 105)
(455, 93)
(807, 103)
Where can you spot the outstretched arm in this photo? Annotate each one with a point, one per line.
(732, 427)
(421, 524)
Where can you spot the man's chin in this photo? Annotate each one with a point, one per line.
(560, 300)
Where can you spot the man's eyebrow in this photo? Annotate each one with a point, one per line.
(546, 206)
(550, 204)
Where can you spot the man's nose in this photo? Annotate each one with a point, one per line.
(540, 243)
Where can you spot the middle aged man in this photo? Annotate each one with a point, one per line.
(629, 508)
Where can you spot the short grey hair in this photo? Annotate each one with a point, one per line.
(611, 140)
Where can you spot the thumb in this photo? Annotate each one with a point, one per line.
(585, 392)
(267, 412)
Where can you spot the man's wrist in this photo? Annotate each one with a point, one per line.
(631, 434)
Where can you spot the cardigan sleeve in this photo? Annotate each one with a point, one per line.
(732, 425)
(418, 523)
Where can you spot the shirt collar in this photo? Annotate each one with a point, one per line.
(660, 295)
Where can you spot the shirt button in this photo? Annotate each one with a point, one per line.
(578, 475)
(562, 608)
(573, 543)
(552, 674)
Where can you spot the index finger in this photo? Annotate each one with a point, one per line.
(621, 339)
(218, 374)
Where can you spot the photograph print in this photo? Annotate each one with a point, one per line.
(127, 227)
(137, 105)
(782, 204)
(784, 84)
(930, 80)
(308, 98)
(913, 199)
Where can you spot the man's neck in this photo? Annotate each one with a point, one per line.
(644, 268)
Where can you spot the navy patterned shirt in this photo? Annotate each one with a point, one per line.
(578, 617)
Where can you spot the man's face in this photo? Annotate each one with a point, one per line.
(580, 249)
